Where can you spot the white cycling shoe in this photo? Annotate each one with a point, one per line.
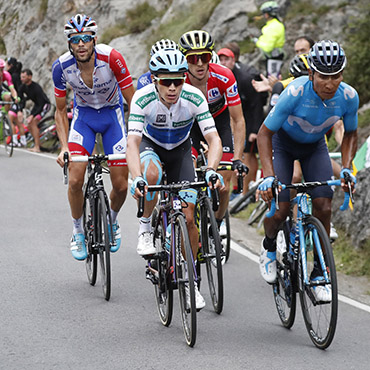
(268, 265)
(145, 244)
(199, 300)
(322, 292)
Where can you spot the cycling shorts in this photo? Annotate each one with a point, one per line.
(108, 121)
(224, 131)
(313, 157)
(250, 146)
(42, 114)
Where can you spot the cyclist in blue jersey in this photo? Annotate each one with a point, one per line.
(98, 76)
(295, 129)
(160, 121)
(166, 44)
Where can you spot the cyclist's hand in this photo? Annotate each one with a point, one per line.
(346, 176)
(238, 165)
(135, 192)
(220, 180)
(60, 158)
(265, 189)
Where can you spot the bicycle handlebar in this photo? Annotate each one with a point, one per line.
(302, 187)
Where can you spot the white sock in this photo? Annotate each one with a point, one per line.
(23, 140)
(113, 216)
(77, 226)
(145, 224)
(15, 138)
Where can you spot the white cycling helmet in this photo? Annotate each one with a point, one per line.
(166, 44)
(80, 23)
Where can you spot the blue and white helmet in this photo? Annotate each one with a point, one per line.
(163, 44)
(327, 57)
(168, 61)
(80, 23)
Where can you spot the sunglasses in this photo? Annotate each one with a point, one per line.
(177, 81)
(83, 38)
(204, 57)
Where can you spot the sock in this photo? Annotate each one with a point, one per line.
(15, 138)
(23, 140)
(269, 244)
(77, 226)
(145, 224)
(113, 215)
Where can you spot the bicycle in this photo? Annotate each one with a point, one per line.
(173, 266)
(97, 218)
(301, 246)
(6, 130)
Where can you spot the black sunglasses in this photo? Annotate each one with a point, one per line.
(177, 81)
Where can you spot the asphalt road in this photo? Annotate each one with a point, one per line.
(51, 318)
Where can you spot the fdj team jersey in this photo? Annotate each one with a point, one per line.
(168, 127)
(305, 117)
(109, 77)
(222, 89)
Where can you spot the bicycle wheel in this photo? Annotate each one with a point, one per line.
(211, 252)
(7, 136)
(184, 269)
(103, 242)
(257, 213)
(163, 289)
(49, 141)
(226, 239)
(244, 201)
(320, 314)
(91, 262)
(284, 289)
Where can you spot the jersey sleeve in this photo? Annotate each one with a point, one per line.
(59, 81)
(137, 117)
(350, 118)
(231, 93)
(118, 65)
(8, 79)
(204, 118)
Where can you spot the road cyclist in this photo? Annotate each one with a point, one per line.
(161, 117)
(99, 77)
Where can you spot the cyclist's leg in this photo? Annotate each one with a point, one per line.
(35, 132)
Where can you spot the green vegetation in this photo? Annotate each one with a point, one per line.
(364, 119)
(43, 9)
(349, 260)
(246, 46)
(357, 49)
(2, 46)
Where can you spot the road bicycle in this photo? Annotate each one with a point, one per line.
(97, 218)
(6, 130)
(303, 255)
(172, 266)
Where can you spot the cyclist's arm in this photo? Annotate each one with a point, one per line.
(133, 155)
(62, 125)
(214, 149)
(264, 142)
(128, 93)
(238, 128)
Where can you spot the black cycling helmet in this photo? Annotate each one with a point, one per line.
(299, 66)
(327, 57)
(196, 40)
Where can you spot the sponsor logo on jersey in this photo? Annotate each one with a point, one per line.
(136, 118)
(213, 94)
(120, 64)
(161, 118)
(182, 123)
(295, 92)
(192, 97)
(349, 93)
(119, 147)
(203, 116)
(220, 77)
(145, 100)
(207, 128)
(232, 90)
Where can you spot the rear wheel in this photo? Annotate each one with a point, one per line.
(257, 213)
(225, 234)
(211, 253)
(7, 136)
(244, 201)
(284, 289)
(319, 307)
(184, 268)
(163, 289)
(103, 243)
(91, 261)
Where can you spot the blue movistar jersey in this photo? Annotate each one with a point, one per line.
(305, 117)
(144, 80)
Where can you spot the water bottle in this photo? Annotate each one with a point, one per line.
(168, 238)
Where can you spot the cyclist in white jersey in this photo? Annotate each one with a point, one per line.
(99, 77)
(161, 117)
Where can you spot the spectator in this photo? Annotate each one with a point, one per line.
(31, 90)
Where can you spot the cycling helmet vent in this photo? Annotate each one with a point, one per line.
(80, 23)
(196, 40)
(168, 61)
(327, 57)
(163, 44)
(299, 66)
(270, 7)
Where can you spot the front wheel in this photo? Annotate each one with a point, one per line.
(8, 136)
(225, 233)
(91, 261)
(184, 270)
(319, 294)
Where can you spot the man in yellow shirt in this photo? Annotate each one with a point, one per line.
(272, 40)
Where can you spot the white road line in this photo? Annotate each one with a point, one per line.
(246, 253)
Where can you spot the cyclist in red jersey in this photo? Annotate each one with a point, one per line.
(220, 88)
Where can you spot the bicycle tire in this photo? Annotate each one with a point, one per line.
(91, 262)
(211, 252)
(244, 201)
(185, 276)
(49, 141)
(257, 213)
(8, 136)
(103, 241)
(284, 289)
(226, 239)
(320, 317)
(163, 289)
